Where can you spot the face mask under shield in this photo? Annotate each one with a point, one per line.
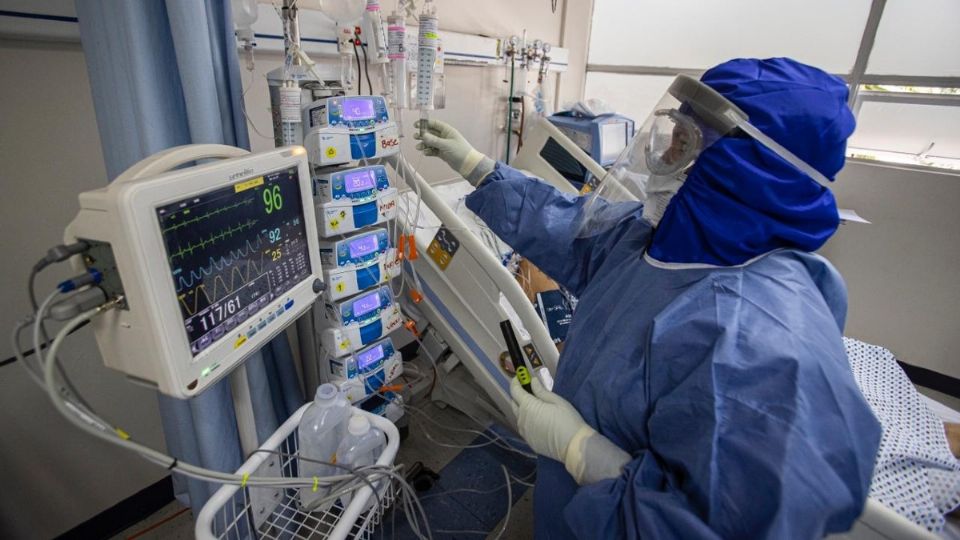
(686, 121)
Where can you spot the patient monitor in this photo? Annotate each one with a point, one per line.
(207, 262)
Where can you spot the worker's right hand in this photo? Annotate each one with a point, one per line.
(443, 141)
(553, 428)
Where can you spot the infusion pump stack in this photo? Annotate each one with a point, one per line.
(346, 138)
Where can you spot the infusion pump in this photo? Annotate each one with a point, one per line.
(342, 129)
(209, 262)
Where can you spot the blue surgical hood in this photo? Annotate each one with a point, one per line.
(740, 200)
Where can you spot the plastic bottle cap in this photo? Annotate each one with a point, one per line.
(326, 393)
(358, 425)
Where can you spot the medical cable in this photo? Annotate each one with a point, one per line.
(96, 426)
(40, 330)
(408, 493)
(29, 352)
(506, 158)
(243, 109)
(506, 519)
(320, 502)
(494, 438)
(15, 342)
(491, 437)
(366, 68)
(513, 480)
(359, 69)
(404, 175)
(55, 254)
(500, 440)
(402, 163)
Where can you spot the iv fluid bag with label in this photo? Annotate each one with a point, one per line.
(397, 53)
(290, 129)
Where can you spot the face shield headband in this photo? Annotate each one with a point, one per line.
(689, 118)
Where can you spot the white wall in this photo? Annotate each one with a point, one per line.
(901, 271)
(54, 476)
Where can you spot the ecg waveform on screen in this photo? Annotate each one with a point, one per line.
(233, 270)
(212, 239)
(205, 215)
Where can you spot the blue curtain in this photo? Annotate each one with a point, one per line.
(165, 74)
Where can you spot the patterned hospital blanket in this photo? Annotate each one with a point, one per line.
(916, 474)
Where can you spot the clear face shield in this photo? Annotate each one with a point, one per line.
(689, 118)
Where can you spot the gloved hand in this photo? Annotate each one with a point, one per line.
(554, 428)
(443, 141)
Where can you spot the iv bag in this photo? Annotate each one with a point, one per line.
(343, 11)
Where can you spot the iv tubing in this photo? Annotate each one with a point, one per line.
(500, 276)
(506, 158)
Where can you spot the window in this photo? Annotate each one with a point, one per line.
(908, 125)
(918, 38)
(631, 95)
(900, 55)
(695, 34)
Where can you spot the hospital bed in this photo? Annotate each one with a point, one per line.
(466, 295)
(881, 522)
(466, 292)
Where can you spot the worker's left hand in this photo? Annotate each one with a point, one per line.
(443, 141)
(546, 421)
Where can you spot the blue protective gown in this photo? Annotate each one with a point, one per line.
(728, 386)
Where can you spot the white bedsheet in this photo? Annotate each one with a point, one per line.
(915, 474)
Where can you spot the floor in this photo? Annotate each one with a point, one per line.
(420, 447)
(166, 523)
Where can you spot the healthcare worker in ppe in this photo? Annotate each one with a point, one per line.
(703, 390)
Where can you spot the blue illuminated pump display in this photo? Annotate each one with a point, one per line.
(360, 184)
(365, 307)
(354, 251)
(371, 358)
(355, 113)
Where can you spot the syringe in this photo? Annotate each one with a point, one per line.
(429, 40)
(424, 118)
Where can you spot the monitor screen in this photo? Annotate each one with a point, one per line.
(358, 109)
(613, 139)
(366, 304)
(359, 181)
(368, 358)
(364, 246)
(563, 162)
(233, 250)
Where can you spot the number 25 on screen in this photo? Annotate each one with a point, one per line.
(272, 200)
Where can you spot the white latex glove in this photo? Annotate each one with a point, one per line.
(554, 428)
(443, 141)
(546, 421)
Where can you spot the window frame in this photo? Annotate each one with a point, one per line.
(857, 79)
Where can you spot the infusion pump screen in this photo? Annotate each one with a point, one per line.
(233, 250)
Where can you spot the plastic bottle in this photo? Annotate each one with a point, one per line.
(321, 430)
(361, 447)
